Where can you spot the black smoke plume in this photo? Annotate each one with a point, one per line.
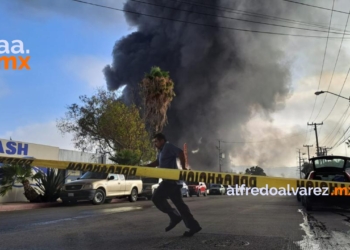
(222, 77)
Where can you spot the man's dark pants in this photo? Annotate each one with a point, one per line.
(171, 189)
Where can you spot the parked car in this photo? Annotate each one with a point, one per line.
(327, 168)
(184, 189)
(100, 188)
(217, 189)
(197, 188)
(226, 187)
(147, 189)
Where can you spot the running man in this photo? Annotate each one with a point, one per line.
(166, 158)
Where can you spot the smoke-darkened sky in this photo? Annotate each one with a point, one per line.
(230, 85)
(222, 77)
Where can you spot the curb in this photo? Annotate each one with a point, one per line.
(24, 206)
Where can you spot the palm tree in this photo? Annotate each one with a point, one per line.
(157, 91)
(22, 174)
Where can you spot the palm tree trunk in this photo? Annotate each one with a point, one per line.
(29, 192)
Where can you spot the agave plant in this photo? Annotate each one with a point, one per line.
(50, 184)
(157, 90)
(18, 174)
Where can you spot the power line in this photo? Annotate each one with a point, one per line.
(247, 13)
(237, 19)
(339, 95)
(338, 143)
(326, 140)
(282, 138)
(341, 121)
(314, 6)
(202, 24)
(324, 58)
(336, 63)
(332, 141)
(340, 89)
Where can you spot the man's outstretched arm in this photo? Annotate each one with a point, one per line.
(153, 164)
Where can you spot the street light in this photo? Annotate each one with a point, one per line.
(321, 92)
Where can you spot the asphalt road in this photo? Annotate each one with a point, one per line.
(240, 222)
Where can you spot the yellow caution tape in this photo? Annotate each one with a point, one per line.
(177, 174)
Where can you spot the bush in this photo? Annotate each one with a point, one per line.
(50, 184)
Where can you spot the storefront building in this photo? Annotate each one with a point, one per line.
(10, 148)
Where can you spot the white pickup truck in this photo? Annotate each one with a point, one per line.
(100, 188)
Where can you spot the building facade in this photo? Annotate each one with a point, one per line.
(10, 148)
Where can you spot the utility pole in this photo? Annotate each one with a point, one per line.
(299, 160)
(326, 150)
(304, 160)
(315, 127)
(321, 151)
(308, 150)
(219, 158)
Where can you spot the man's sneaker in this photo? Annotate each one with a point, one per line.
(172, 224)
(192, 231)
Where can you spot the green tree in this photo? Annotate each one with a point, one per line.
(255, 171)
(306, 168)
(104, 122)
(157, 92)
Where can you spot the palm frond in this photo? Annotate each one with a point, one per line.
(12, 174)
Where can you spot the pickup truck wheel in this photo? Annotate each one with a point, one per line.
(133, 196)
(99, 197)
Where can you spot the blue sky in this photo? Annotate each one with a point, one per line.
(68, 53)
